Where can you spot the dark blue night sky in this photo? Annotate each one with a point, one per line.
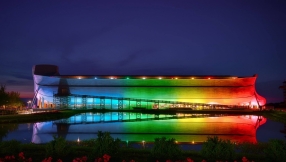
(183, 37)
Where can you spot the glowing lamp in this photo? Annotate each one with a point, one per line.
(143, 142)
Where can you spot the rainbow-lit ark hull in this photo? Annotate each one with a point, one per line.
(223, 90)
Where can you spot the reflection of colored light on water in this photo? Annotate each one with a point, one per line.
(186, 129)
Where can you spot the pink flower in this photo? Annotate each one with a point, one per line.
(21, 155)
(189, 160)
(49, 159)
(84, 158)
(244, 159)
(7, 157)
(105, 156)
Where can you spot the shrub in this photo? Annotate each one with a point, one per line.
(12, 147)
(276, 150)
(57, 148)
(166, 149)
(105, 144)
(251, 149)
(88, 143)
(218, 149)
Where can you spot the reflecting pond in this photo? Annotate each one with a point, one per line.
(185, 128)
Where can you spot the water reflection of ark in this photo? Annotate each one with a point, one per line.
(146, 127)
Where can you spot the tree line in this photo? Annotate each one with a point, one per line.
(10, 99)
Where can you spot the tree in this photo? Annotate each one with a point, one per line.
(14, 99)
(11, 99)
(3, 96)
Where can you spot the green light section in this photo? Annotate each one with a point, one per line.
(165, 89)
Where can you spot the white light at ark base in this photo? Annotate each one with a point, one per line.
(78, 140)
(29, 104)
(143, 142)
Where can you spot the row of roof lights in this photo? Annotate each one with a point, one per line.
(146, 78)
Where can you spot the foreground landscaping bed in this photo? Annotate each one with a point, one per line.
(106, 148)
